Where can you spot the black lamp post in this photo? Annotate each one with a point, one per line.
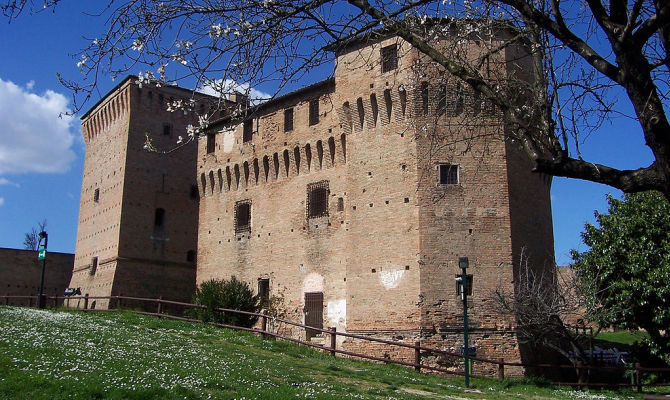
(42, 255)
(464, 289)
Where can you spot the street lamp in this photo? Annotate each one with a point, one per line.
(42, 255)
(464, 287)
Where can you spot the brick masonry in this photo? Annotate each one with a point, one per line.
(383, 251)
(20, 273)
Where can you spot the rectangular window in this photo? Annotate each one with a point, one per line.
(248, 133)
(96, 195)
(94, 265)
(314, 112)
(167, 130)
(459, 286)
(442, 100)
(448, 174)
(424, 98)
(242, 216)
(211, 143)
(389, 55)
(264, 290)
(317, 199)
(340, 204)
(159, 218)
(288, 120)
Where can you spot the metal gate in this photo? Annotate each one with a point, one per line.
(313, 313)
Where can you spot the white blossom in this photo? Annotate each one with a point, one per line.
(137, 44)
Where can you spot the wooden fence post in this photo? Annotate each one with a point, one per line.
(501, 368)
(30, 301)
(333, 340)
(417, 355)
(158, 307)
(580, 375)
(86, 301)
(264, 326)
(638, 378)
(119, 300)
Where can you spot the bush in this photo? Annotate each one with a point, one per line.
(232, 294)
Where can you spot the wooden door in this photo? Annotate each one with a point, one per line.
(313, 312)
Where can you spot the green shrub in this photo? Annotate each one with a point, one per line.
(232, 294)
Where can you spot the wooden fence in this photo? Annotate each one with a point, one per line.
(161, 310)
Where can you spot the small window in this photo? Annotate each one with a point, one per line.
(190, 256)
(94, 265)
(317, 199)
(340, 204)
(264, 290)
(288, 120)
(194, 192)
(243, 216)
(159, 218)
(389, 55)
(424, 98)
(96, 195)
(167, 131)
(161, 100)
(314, 112)
(442, 100)
(248, 133)
(468, 281)
(448, 174)
(211, 143)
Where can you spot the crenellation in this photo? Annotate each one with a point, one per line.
(359, 200)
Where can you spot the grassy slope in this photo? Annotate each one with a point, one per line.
(67, 355)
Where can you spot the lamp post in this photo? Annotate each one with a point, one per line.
(463, 286)
(42, 255)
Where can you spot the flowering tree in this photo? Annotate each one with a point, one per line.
(588, 61)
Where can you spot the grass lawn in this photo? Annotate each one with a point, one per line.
(75, 355)
(623, 340)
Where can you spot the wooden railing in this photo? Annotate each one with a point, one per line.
(582, 370)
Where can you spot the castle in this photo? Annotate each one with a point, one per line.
(353, 197)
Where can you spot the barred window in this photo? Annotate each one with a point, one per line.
(314, 112)
(288, 120)
(389, 55)
(448, 174)
(243, 216)
(96, 195)
(317, 199)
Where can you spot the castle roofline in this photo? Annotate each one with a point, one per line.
(385, 32)
(133, 78)
(324, 84)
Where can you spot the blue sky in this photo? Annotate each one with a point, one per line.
(42, 155)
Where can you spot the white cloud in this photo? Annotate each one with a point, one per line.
(33, 135)
(226, 86)
(5, 181)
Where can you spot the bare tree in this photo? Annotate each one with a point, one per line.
(32, 240)
(587, 64)
(541, 303)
